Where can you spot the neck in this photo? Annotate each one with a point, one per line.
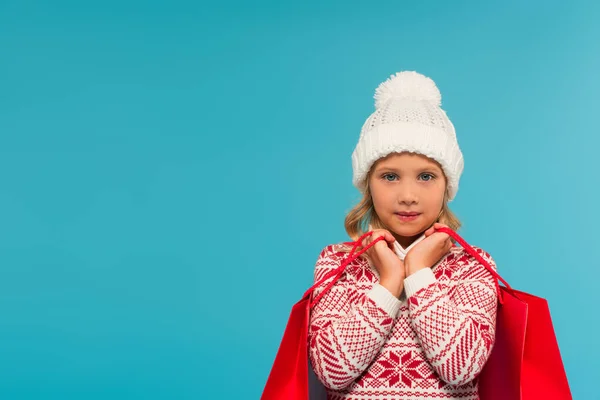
(406, 241)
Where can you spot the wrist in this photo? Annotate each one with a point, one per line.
(412, 267)
(394, 286)
(419, 280)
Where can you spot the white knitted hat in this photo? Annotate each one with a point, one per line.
(408, 117)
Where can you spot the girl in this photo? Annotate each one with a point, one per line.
(413, 317)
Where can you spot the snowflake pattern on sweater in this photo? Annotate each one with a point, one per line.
(431, 343)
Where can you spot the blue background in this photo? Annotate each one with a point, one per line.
(170, 172)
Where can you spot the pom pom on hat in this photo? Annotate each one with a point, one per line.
(407, 84)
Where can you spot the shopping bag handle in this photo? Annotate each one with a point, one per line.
(337, 272)
(479, 258)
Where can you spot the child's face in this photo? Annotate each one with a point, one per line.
(405, 182)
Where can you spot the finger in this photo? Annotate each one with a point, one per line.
(377, 247)
(389, 237)
(365, 242)
(381, 235)
(378, 236)
(438, 225)
(441, 236)
(448, 244)
(391, 241)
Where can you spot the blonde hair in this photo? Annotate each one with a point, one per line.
(362, 214)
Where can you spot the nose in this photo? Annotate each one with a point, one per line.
(407, 194)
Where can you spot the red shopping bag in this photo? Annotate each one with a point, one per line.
(290, 373)
(525, 362)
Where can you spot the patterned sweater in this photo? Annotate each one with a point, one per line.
(431, 343)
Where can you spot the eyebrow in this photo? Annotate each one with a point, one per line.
(426, 168)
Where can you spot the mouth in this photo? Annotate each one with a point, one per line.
(408, 216)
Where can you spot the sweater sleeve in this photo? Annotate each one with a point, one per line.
(456, 326)
(347, 329)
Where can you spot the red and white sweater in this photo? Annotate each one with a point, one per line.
(431, 343)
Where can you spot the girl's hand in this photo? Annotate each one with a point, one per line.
(390, 267)
(429, 251)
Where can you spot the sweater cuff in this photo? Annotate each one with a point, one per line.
(384, 299)
(419, 280)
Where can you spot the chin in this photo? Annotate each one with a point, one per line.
(407, 229)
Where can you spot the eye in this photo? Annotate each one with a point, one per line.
(428, 174)
(388, 174)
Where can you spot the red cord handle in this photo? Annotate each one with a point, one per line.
(479, 258)
(340, 270)
(337, 273)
